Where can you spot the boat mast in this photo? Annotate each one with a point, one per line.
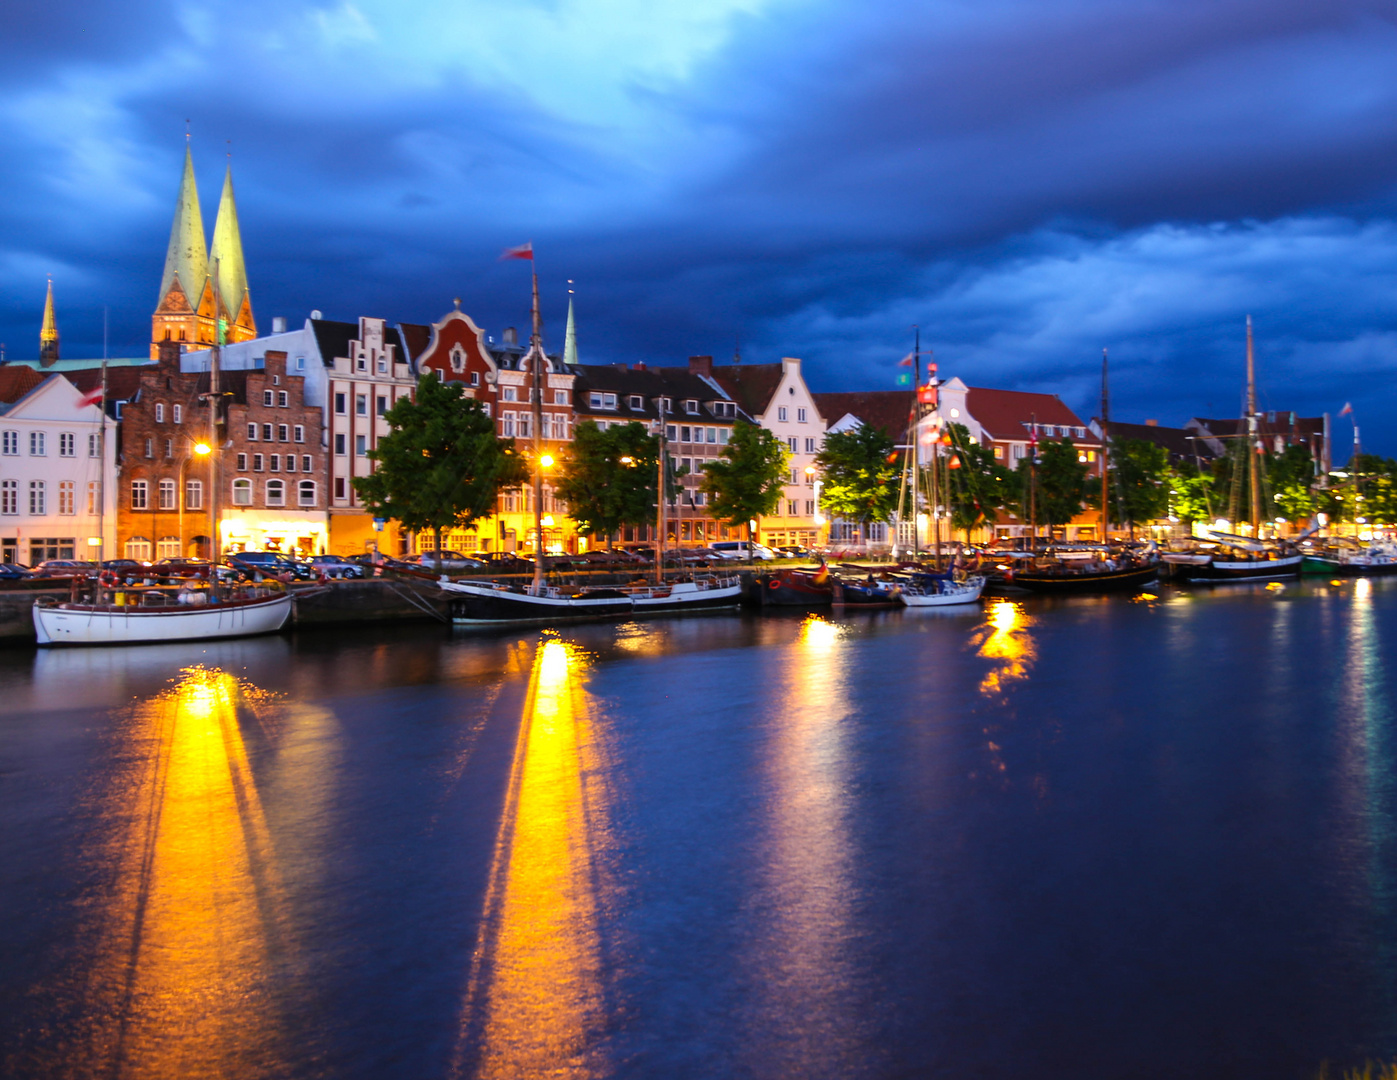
(660, 502)
(914, 433)
(1253, 437)
(215, 397)
(102, 456)
(1033, 484)
(536, 362)
(1105, 450)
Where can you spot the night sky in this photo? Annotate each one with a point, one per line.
(1028, 182)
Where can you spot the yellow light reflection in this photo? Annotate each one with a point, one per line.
(817, 633)
(535, 1005)
(195, 921)
(1006, 640)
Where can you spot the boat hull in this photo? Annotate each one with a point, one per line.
(1222, 571)
(64, 625)
(960, 593)
(863, 595)
(789, 588)
(483, 605)
(1129, 580)
(1346, 568)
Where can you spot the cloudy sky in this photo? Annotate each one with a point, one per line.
(1028, 182)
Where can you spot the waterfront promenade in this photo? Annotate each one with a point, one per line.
(1130, 836)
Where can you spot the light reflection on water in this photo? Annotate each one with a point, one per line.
(1007, 642)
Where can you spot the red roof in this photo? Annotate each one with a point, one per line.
(750, 385)
(889, 410)
(16, 380)
(1006, 414)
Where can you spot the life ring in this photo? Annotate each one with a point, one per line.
(108, 578)
(774, 583)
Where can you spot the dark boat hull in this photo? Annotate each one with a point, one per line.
(1220, 572)
(786, 588)
(1128, 580)
(482, 606)
(856, 594)
(1335, 568)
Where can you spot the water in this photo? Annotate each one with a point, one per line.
(1124, 838)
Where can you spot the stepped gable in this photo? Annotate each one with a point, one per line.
(888, 410)
(750, 385)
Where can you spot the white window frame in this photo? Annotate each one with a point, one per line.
(140, 495)
(305, 493)
(67, 444)
(193, 494)
(276, 492)
(167, 494)
(242, 486)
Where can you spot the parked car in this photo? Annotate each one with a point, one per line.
(65, 568)
(185, 568)
(11, 572)
(449, 560)
(794, 551)
(741, 549)
(270, 562)
(506, 562)
(336, 566)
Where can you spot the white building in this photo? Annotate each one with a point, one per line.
(57, 471)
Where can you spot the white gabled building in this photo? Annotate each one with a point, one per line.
(57, 471)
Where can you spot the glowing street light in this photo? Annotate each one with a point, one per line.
(546, 461)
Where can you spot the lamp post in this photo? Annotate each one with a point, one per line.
(198, 449)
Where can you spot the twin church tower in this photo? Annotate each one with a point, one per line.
(204, 288)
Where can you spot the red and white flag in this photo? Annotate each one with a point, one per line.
(907, 361)
(523, 251)
(90, 398)
(1348, 408)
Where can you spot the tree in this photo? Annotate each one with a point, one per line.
(1195, 493)
(609, 477)
(862, 475)
(1139, 481)
(746, 482)
(1061, 483)
(441, 465)
(1291, 476)
(979, 486)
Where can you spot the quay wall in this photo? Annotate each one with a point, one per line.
(17, 604)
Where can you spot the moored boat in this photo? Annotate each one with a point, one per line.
(129, 616)
(1346, 561)
(791, 588)
(488, 604)
(927, 590)
(1079, 577)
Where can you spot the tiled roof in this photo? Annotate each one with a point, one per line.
(417, 337)
(1270, 423)
(678, 384)
(889, 410)
(750, 385)
(16, 380)
(1179, 442)
(333, 338)
(1004, 414)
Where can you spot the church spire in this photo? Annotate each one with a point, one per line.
(185, 259)
(570, 338)
(226, 257)
(48, 334)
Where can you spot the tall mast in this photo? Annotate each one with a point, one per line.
(1253, 437)
(1033, 484)
(914, 432)
(1105, 450)
(660, 500)
(102, 454)
(215, 397)
(536, 363)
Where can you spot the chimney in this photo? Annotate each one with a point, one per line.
(640, 365)
(1152, 423)
(278, 324)
(701, 365)
(511, 336)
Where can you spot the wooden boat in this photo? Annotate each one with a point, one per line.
(1239, 558)
(791, 588)
(489, 604)
(1082, 577)
(869, 592)
(1343, 561)
(185, 612)
(931, 591)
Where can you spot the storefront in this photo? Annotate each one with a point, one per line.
(287, 531)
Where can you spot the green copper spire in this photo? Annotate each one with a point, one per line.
(186, 260)
(226, 256)
(570, 339)
(48, 334)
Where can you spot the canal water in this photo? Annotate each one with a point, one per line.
(1148, 837)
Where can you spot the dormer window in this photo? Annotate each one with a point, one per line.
(600, 400)
(636, 401)
(691, 407)
(666, 405)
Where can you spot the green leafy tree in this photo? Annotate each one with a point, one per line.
(1194, 493)
(1061, 486)
(441, 464)
(862, 475)
(979, 486)
(1139, 480)
(746, 482)
(1376, 488)
(1291, 477)
(608, 477)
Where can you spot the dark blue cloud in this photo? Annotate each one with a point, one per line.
(1027, 182)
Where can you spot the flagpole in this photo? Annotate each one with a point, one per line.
(536, 351)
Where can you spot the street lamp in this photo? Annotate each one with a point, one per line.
(198, 449)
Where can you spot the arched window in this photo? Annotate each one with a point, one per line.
(168, 548)
(305, 493)
(276, 492)
(242, 492)
(138, 547)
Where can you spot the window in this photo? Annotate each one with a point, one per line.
(290, 462)
(339, 404)
(138, 494)
(177, 413)
(138, 547)
(168, 547)
(268, 396)
(9, 496)
(305, 463)
(300, 363)
(94, 445)
(276, 379)
(361, 404)
(381, 404)
(242, 492)
(159, 412)
(283, 433)
(777, 510)
(257, 462)
(723, 436)
(508, 394)
(266, 432)
(276, 492)
(608, 401)
(361, 446)
(791, 442)
(167, 495)
(475, 378)
(666, 405)
(711, 434)
(458, 360)
(1081, 433)
(242, 463)
(1018, 451)
(782, 414)
(801, 416)
(791, 508)
(999, 453)
(38, 497)
(281, 399)
(522, 426)
(670, 430)
(636, 401)
(67, 444)
(339, 487)
(298, 433)
(36, 444)
(274, 463)
(339, 445)
(305, 493)
(560, 397)
(507, 424)
(795, 476)
(383, 363)
(193, 494)
(809, 507)
(809, 446)
(362, 364)
(252, 432)
(691, 407)
(169, 447)
(9, 443)
(94, 497)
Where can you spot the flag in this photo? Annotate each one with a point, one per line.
(821, 575)
(892, 457)
(905, 379)
(1348, 408)
(523, 251)
(906, 361)
(90, 398)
